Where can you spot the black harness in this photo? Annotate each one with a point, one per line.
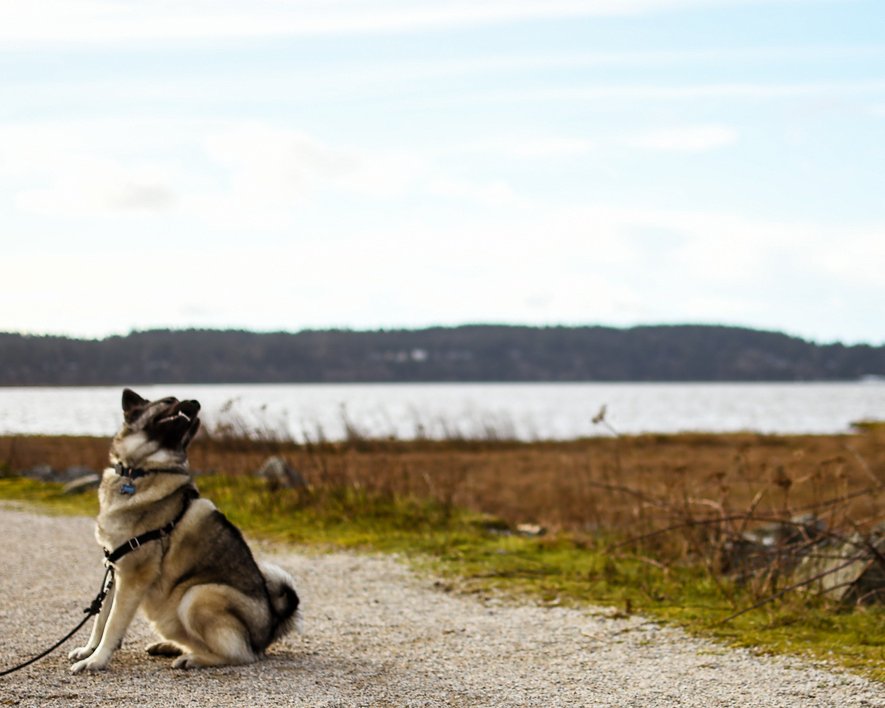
(112, 557)
(190, 493)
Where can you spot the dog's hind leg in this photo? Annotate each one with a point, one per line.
(217, 635)
(164, 649)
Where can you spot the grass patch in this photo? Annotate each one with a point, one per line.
(473, 553)
(47, 496)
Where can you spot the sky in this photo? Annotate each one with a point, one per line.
(293, 164)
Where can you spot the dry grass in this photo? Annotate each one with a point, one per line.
(638, 522)
(631, 485)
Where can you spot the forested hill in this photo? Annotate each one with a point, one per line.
(469, 353)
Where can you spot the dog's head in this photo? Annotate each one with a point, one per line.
(157, 430)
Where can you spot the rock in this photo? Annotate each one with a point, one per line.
(800, 529)
(851, 571)
(530, 530)
(279, 474)
(41, 473)
(848, 570)
(83, 484)
(779, 543)
(75, 472)
(46, 473)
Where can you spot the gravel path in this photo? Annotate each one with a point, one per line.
(377, 635)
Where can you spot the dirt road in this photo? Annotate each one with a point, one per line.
(377, 635)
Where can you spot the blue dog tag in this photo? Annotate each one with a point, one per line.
(127, 488)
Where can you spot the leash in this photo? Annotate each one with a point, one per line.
(112, 557)
(106, 584)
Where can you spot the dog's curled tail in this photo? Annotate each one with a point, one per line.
(284, 600)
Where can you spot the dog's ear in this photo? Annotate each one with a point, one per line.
(132, 404)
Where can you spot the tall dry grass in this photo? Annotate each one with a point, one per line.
(627, 484)
(668, 498)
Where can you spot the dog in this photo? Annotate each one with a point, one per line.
(175, 556)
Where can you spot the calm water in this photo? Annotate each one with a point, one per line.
(527, 411)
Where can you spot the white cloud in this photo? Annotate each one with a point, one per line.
(684, 138)
(142, 196)
(513, 262)
(539, 147)
(424, 69)
(494, 194)
(284, 163)
(116, 21)
(250, 172)
(271, 173)
(693, 138)
(683, 92)
(75, 168)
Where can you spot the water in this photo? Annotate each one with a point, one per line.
(526, 411)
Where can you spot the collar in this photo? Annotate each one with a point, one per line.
(136, 472)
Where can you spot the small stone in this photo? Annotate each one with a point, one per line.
(530, 530)
(75, 472)
(83, 484)
(41, 473)
(279, 474)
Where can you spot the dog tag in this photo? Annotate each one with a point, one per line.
(127, 488)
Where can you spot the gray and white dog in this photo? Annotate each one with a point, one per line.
(175, 555)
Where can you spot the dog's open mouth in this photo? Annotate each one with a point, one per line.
(179, 414)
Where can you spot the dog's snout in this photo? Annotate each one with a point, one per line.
(189, 408)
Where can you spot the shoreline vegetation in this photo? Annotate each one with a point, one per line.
(671, 526)
(468, 353)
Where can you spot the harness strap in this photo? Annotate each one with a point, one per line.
(133, 543)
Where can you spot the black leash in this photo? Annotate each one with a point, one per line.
(132, 544)
(93, 609)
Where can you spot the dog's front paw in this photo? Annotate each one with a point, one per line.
(93, 663)
(81, 653)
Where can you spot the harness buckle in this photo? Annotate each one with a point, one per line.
(133, 543)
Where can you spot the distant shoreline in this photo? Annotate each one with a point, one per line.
(466, 354)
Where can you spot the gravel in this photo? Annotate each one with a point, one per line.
(376, 634)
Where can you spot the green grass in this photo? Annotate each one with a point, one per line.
(474, 555)
(47, 496)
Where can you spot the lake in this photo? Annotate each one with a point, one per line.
(528, 411)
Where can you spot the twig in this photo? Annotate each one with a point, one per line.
(719, 520)
(653, 501)
(843, 498)
(863, 464)
(781, 593)
(869, 545)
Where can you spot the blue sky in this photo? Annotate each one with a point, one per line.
(280, 164)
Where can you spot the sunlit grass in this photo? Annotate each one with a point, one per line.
(474, 553)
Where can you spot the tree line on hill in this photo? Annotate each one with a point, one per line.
(467, 353)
